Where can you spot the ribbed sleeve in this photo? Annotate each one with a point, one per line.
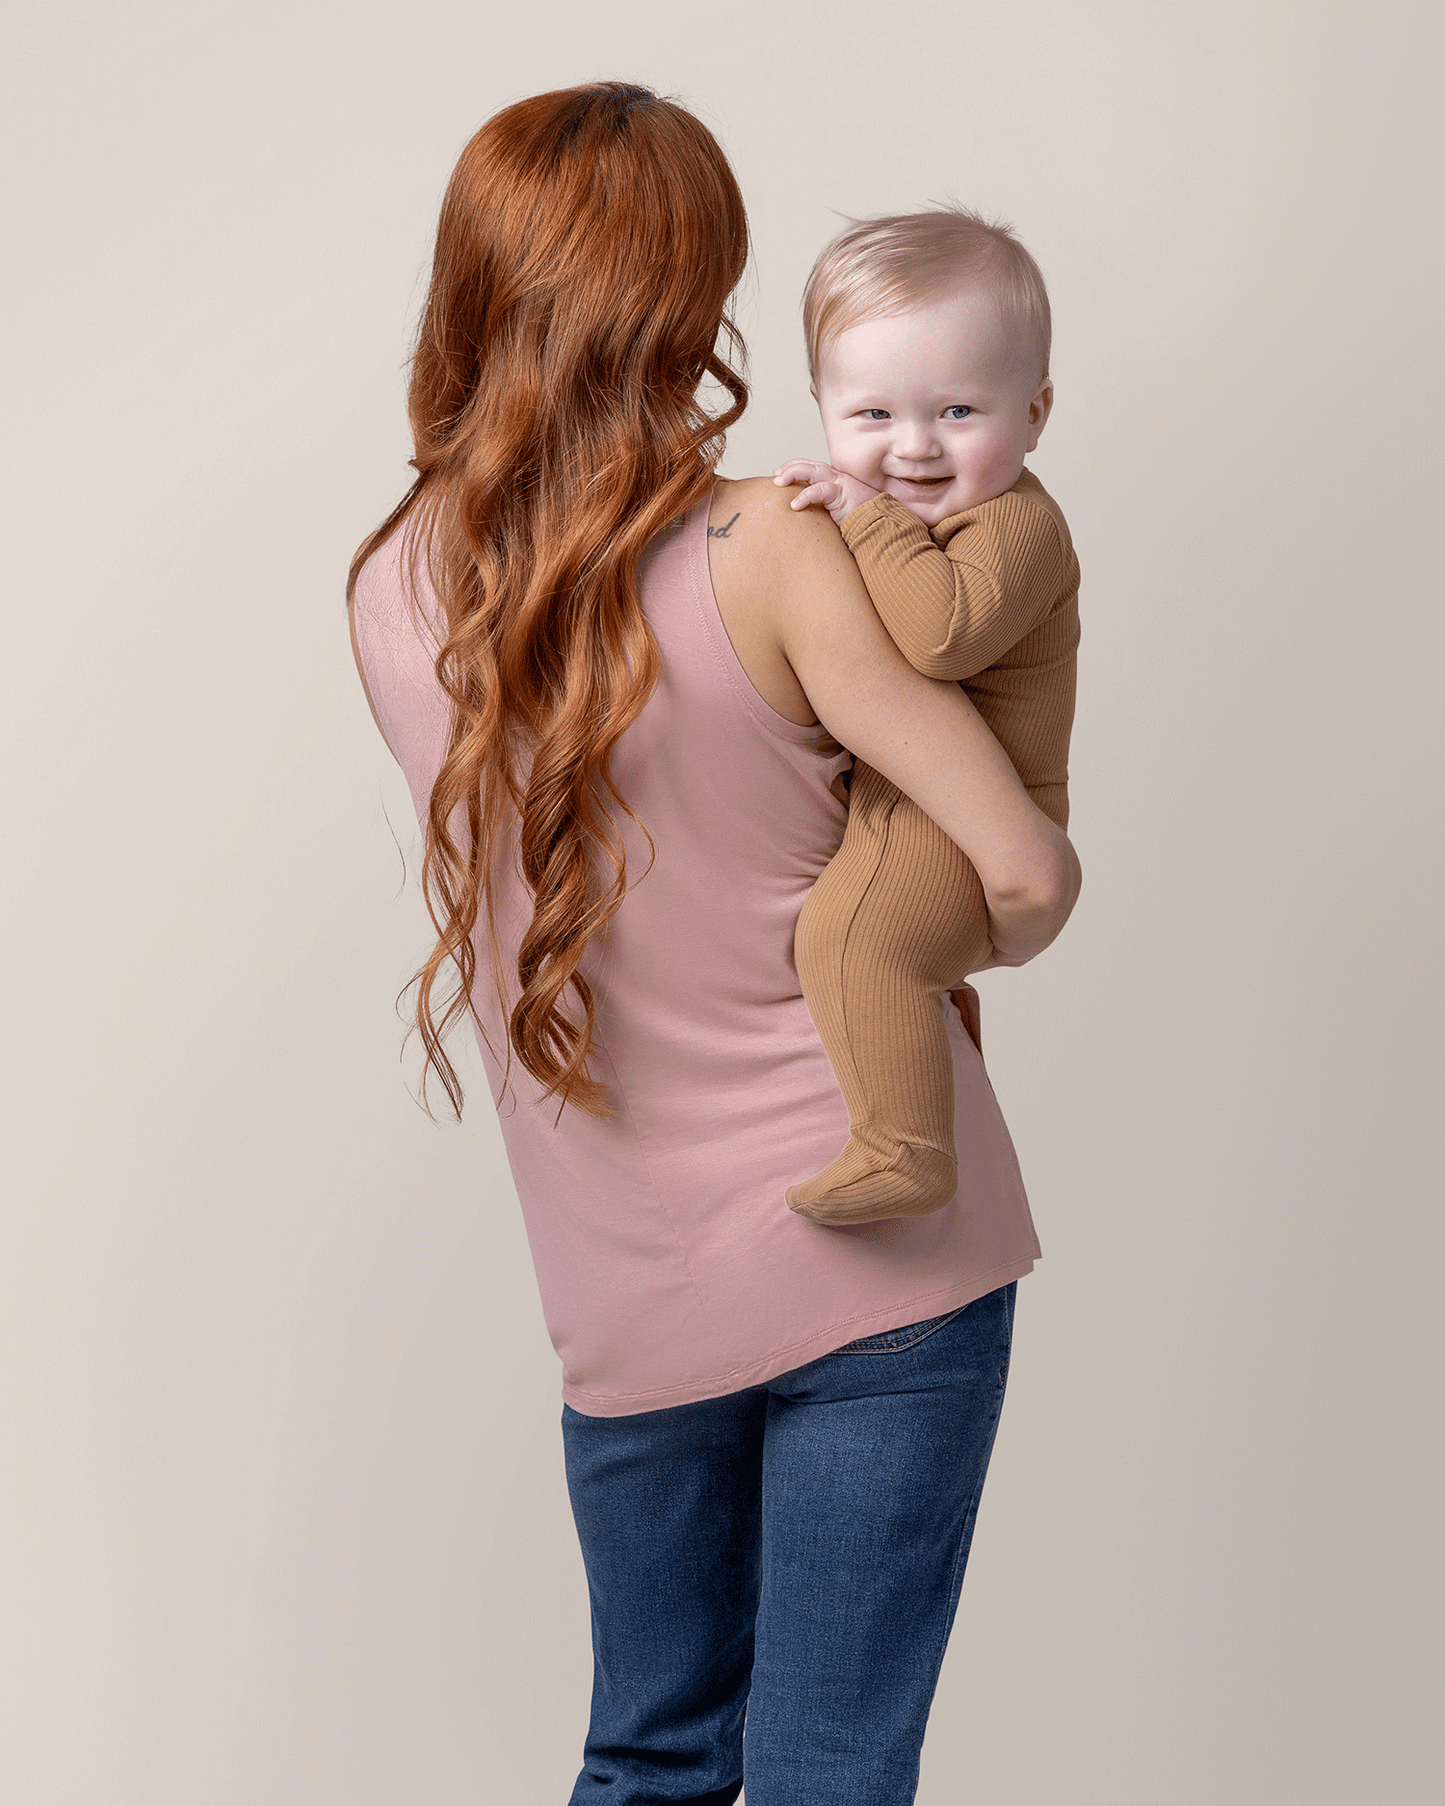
(994, 607)
(955, 599)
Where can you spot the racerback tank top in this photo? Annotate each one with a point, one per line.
(670, 1267)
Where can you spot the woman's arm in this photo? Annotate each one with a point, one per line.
(923, 735)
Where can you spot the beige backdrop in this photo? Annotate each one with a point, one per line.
(284, 1517)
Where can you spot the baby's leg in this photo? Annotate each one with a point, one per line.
(896, 919)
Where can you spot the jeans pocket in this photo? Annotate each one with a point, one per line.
(892, 1341)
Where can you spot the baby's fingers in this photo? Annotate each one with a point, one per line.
(803, 470)
(817, 495)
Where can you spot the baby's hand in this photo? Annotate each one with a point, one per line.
(827, 488)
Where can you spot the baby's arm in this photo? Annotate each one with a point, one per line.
(956, 609)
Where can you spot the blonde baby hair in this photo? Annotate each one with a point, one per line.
(901, 261)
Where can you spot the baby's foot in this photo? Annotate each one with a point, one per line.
(874, 1178)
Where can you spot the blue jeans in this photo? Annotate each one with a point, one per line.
(793, 1551)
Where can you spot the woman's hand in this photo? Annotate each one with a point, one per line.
(1021, 928)
(827, 488)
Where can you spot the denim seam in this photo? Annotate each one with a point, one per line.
(965, 1541)
(965, 1535)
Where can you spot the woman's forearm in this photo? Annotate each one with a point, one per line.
(922, 734)
(928, 738)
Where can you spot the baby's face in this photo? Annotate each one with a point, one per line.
(936, 407)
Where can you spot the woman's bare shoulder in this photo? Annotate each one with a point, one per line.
(753, 527)
(765, 562)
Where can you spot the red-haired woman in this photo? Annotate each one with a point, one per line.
(620, 689)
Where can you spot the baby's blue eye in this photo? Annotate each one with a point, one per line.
(958, 411)
(878, 414)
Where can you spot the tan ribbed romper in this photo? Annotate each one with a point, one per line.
(989, 598)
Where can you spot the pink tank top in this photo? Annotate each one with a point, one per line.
(670, 1267)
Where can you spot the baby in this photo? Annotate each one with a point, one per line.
(928, 346)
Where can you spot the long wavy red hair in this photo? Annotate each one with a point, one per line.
(588, 245)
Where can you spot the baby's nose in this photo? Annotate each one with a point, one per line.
(914, 440)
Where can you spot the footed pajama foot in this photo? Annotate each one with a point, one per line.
(876, 1177)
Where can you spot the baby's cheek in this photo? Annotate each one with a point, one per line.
(998, 467)
(854, 460)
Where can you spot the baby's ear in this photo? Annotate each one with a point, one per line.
(1039, 410)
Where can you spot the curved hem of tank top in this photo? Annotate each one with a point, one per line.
(799, 1354)
(762, 711)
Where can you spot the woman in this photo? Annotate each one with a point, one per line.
(620, 691)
